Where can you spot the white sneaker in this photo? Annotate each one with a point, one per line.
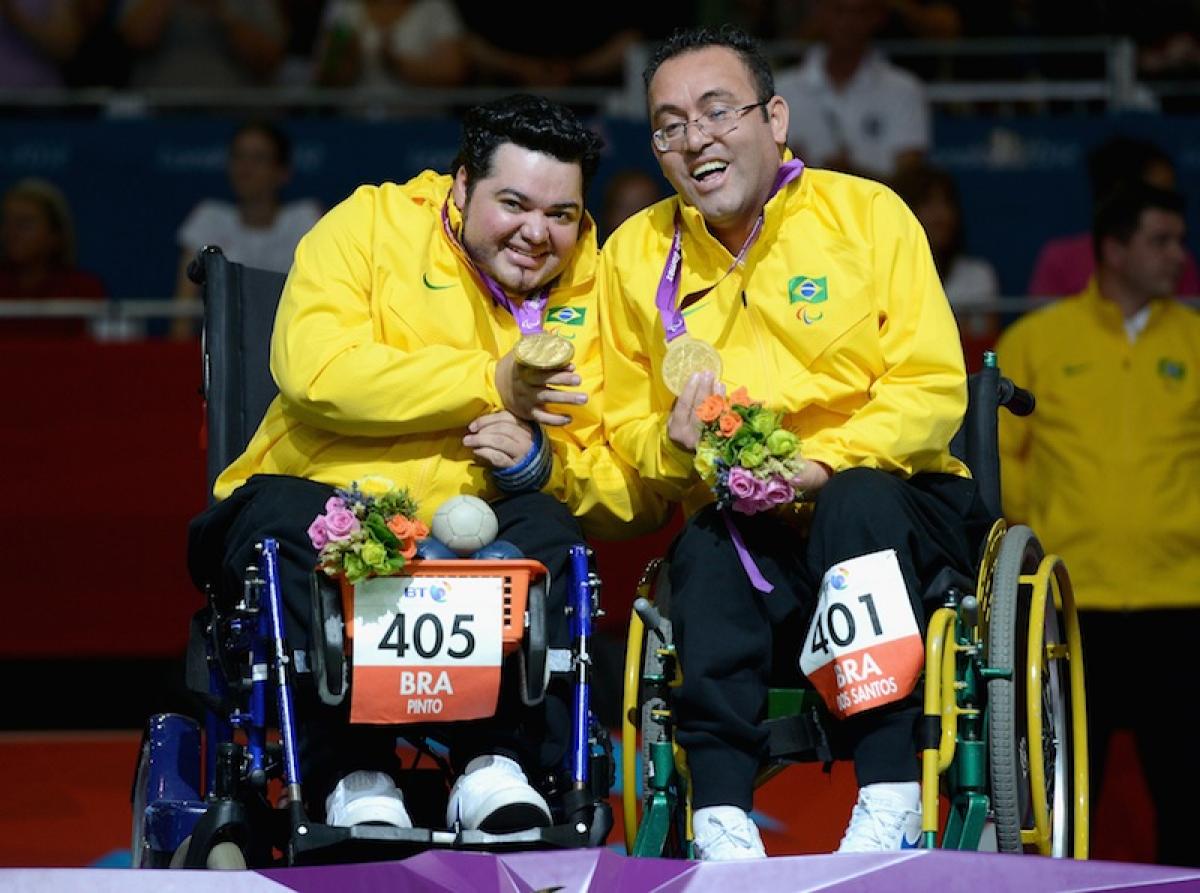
(366, 797)
(724, 834)
(887, 817)
(493, 794)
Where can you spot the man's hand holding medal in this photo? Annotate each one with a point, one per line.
(533, 375)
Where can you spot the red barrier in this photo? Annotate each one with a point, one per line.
(99, 446)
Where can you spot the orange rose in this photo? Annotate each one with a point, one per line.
(711, 408)
(401, 526)
(409, 550)
(740, 397)
(730, 422)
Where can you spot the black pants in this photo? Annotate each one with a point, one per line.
(1139, 666)
(222, 543)
(729, 635)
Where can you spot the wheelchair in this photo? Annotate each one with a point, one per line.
(1004, 731)
(229, 794)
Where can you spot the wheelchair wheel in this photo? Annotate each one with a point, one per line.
(141, 854)
(1037, 719)
(224, 856)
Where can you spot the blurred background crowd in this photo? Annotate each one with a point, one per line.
(136, 131)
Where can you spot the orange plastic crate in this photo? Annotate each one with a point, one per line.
(518, 574)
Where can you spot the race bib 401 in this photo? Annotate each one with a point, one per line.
(863, 648)
(426, 649)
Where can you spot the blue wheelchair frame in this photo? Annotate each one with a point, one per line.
(232, 805)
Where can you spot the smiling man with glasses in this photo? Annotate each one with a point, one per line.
(816, 292)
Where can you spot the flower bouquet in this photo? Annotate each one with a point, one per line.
(368, 529)
(750, 462)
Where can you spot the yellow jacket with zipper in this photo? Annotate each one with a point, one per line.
(836, 317)
(1107, 469)
(385, 348)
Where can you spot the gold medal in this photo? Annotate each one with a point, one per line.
(685, 357)
(544, 350)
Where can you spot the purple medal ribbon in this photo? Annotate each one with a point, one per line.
(671, 317)
(757, 580)
(667, 296)
(527, 313)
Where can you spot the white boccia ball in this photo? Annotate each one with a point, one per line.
(465, 524)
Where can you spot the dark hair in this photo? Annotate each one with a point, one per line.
(277, 138)
(686, 40)
(531, 122)
(1120, 213)
(1122, 159)
(915, 184)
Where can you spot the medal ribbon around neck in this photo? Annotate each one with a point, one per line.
(527, 313)
(667, 296)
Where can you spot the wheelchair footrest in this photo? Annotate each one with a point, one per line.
(325, 844)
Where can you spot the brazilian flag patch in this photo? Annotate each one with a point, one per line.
(807, 290)
(566, 315)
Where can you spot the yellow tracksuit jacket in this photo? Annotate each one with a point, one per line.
(1107, 469)
(836, 316)
(385, 348)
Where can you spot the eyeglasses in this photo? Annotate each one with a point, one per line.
(717, 121)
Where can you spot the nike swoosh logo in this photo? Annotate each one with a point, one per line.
(428, 284)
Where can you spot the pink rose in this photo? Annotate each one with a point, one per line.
(340, 523)
(318, 534)
(778, 491)
(334, 503)
(742, 484)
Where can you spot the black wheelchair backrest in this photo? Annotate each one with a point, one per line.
(977, 441)
(239, 313)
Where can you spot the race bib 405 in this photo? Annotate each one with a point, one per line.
(426, 649)
(863, 648)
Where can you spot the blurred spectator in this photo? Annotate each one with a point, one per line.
(377, 42)
(1107, 471)
(970, 283)
(255, 229)
(626, 192)
(102, 58)
(851, 109)
(513, 49)
(1167, 33)
(1065, 264)
(36, 37)
(303, 20)
(922, 20)
(203, 43)
(37, 256)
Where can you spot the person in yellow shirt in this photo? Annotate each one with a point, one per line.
(393, 352)
(818, 292)
(1107, 471)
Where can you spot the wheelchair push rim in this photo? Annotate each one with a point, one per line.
(1037, 717)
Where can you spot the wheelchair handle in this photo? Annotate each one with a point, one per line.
(650, 616)
(1019, 401)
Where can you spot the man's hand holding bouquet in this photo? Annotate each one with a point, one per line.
(746, 457)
